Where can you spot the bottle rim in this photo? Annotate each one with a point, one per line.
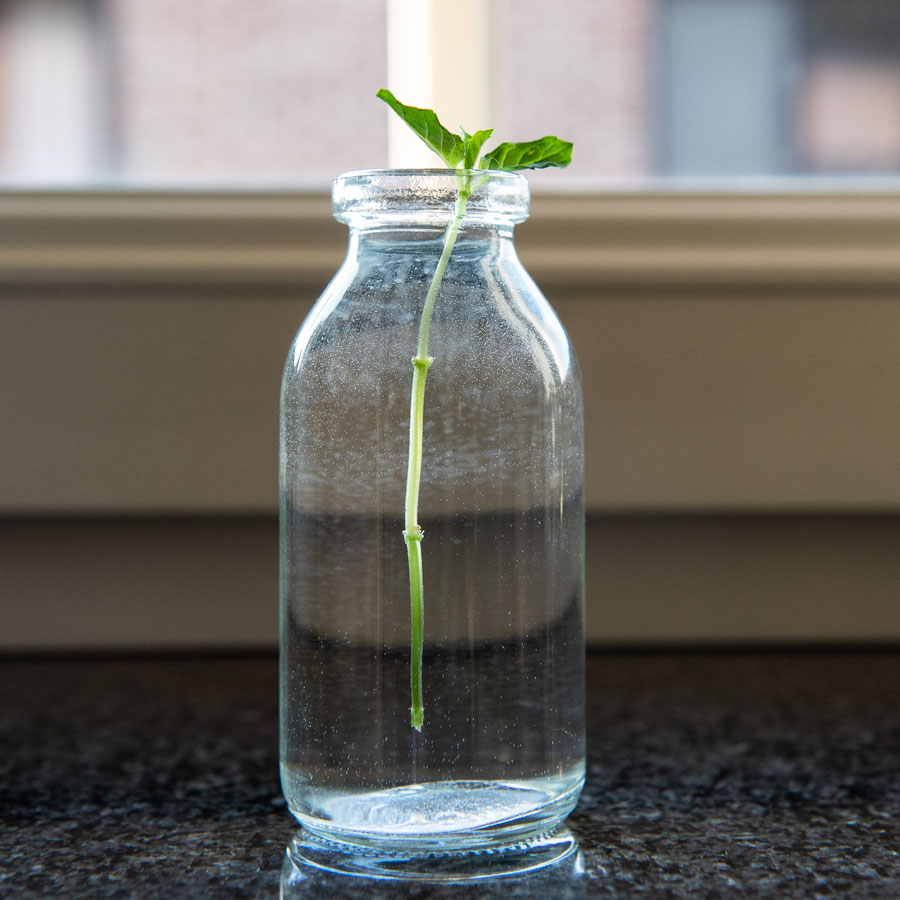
(372, 197)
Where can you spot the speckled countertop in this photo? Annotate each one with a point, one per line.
(711, 775)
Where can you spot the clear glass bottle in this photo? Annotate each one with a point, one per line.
(500, 756)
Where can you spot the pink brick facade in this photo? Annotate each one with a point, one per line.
(261, 90)
(282, 91)
(582, 70)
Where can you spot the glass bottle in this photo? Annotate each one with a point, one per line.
(499, 757)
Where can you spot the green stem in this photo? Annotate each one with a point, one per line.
(412, 532)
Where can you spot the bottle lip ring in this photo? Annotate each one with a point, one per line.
(436, 171)
(427, 196)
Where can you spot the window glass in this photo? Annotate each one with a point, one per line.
(198, 91)
(282, 91)
(699, 88)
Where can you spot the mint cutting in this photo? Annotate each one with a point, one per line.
(463, 153)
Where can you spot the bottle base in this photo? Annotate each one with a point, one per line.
(440, 816)
(448, 866)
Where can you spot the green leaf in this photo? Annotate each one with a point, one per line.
(540, 154)
(449, 147)
(473, 144)
(464, 149)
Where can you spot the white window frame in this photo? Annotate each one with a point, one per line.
(442, 56)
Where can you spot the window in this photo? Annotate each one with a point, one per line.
(210, 91)
(779, 87)
(738, 348)
(281, 91)
(53, 99)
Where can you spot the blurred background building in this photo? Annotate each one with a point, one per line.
(280, 91)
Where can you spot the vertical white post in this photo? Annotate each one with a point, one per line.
(440, 56)
(52, 91)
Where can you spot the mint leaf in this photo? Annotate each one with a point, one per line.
(473, 144)
(449, 147)
(464, 149)
(540, 154)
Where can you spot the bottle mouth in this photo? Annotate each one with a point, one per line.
(427, 197)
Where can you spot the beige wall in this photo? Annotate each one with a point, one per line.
(180, 582)
(741, 378)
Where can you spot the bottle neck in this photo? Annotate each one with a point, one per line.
(469, 233)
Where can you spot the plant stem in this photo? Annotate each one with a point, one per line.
(412, 532)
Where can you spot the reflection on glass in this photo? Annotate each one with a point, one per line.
(314, 869)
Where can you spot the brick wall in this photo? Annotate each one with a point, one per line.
(581, 69)
(267, 88)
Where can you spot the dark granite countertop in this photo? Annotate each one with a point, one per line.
(711, 775)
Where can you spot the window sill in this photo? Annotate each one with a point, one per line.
(627, 239)
(738, 351)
